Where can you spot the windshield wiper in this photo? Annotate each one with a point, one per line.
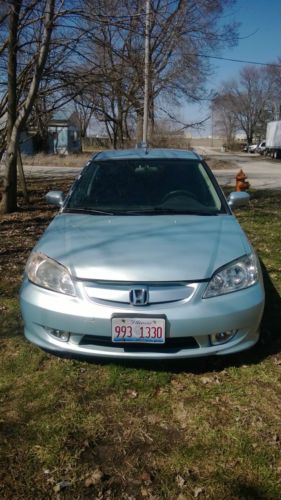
(87, 210)
(144, 211)
(163, 211)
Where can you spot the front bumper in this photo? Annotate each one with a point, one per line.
(189, 324)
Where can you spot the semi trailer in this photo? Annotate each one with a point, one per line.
(273, 139)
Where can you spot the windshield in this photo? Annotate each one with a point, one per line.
(140, 186)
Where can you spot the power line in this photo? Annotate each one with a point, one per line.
(240, 60)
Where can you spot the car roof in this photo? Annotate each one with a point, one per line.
(137, 153)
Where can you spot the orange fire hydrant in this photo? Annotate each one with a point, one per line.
(241, 183)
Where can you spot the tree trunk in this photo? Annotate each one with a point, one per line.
(9, 194)
(115, 135)
(139, 126)
(249, 138)
(22, 178)
(17, 118)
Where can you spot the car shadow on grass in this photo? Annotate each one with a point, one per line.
(269, 344)
(249, 491)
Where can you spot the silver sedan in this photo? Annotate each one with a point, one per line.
(145, 259)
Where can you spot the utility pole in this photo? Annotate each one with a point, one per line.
(146, 74)
(212, 125)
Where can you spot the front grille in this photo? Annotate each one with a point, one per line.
(175, 344)
(119, 293)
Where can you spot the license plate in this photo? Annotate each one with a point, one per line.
(140, 330)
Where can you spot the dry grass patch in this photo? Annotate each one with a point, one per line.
(71, 160)
(204, 429)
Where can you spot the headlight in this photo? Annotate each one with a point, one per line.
(241, 273)
(48, 273)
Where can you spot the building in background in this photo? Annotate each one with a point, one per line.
(64, 134)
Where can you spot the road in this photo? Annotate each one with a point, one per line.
(261, 173)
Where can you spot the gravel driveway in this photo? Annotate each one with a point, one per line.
(262, 174)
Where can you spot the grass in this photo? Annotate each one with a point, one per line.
(203, 429)
(72, 160)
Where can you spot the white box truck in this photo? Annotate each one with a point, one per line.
(273, 139)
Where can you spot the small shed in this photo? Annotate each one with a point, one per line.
(27, 140)
(27, 144)
(64, 134)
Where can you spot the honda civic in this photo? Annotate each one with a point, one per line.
(145, 259)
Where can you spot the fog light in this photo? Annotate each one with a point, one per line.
(59, 334)
(222, 337)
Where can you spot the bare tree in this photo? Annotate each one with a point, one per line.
(273, 72)
(224, 120)
(17, 115)
(182, 33)
(247, 102)
(84, 114)
(37, 53)
(91, 51)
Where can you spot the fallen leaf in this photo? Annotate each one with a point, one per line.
(206, 380)
(197, 492)
(94, 478)
(144, 492)
(153, 419)
(131, 393)
(180, 481)
(61, 486)
(146, 477)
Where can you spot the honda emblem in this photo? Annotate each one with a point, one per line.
(138, 296)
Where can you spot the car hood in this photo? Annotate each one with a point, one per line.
(143, 248)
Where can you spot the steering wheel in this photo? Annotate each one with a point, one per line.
(178, 192)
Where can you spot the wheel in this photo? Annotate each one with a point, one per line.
(176, 193)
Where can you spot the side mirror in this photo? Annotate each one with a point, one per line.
(55, 198)
(238, 199)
